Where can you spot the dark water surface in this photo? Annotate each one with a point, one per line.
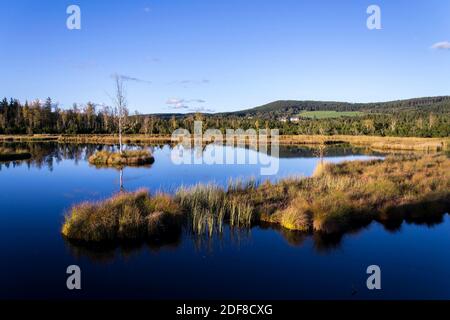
(261, 263)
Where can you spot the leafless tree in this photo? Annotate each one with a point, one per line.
(120, 102)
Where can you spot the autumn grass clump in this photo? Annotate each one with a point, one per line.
(335, 199)
(208, 207)
(339, 197)
(9, 154)
(130, 158)
(125, 216)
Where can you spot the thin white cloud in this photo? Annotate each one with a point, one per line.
(196, 101)
(179, 106)
(175, 103)
(178, 103)
(443, 45)
(202, 109)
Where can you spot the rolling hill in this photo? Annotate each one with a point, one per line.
(289, 108)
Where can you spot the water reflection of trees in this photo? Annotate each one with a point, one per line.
(299, 151)
(47, 154)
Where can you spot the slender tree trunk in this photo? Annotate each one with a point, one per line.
(122, 189)
(120, 132)
(120, 101)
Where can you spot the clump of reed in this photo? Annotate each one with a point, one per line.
(125, 216)
(10, 154)
(129, 157)
(208, 207)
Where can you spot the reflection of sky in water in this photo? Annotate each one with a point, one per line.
(77, 179)
(265, 264)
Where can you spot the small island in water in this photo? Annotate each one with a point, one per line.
(336, 199)
(124, 158)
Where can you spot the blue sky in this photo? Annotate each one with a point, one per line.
(184, 55)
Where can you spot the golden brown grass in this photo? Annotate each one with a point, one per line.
(340, 196)
(374, 142)
(125, 216)
(337, 198)
(130, 158)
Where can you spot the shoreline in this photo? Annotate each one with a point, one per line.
(376, 143)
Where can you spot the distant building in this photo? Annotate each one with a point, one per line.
(294, 119)
(283, 119)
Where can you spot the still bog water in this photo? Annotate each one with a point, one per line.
(261, 263)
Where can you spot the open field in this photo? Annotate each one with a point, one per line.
(326, 114)
(374, 142)
(336, 199)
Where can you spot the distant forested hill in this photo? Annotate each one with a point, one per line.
(286, 108)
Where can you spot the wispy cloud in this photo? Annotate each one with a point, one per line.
(202, 109)
(177, 103)
(443, 45)
(129, 78)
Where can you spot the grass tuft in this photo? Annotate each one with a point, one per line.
(130, 158)
(125, 216)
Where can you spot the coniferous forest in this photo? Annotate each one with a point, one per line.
(424, 117)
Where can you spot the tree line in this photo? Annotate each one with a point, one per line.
(45, 117)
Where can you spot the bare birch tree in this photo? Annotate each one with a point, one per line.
(121, 105)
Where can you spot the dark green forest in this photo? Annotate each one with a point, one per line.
(288, 108)
(423, 117)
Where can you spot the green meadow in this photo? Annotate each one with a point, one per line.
(329, 114)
